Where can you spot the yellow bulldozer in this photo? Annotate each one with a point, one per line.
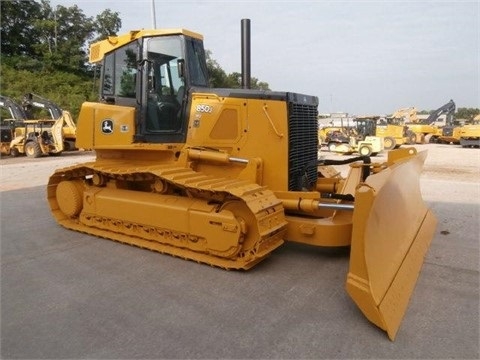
(225, 176)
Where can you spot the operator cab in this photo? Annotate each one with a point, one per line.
(153, 74)
(366, 126)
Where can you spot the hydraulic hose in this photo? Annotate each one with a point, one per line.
(366, 161)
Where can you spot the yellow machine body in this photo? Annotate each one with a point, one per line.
(423, 132)
(393, 136)
(244, 179)
(469, 135)
(35, 138)
(69, 131)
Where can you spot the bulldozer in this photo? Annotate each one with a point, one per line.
(224, 177)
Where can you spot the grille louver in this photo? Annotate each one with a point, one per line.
(303, 142)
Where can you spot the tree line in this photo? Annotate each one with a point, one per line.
(44, 51)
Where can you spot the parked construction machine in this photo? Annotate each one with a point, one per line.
(469, 134)
(33, 138)
(225, 176)
(425, 130)
(450, 132)
(12, 115)
(393, 135)
(69, 128)
(360, 139)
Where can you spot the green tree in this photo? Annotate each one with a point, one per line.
(235, 81)
(106, 24)
(17, 27)
(64, 35)
(467, 113)
(37, 36)
(220, 79)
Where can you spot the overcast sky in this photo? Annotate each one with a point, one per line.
(360, 57)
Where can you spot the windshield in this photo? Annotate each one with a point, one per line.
(164, 54)
(168, 53)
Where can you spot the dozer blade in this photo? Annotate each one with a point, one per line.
(392, 231)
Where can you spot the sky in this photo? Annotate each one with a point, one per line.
(359, 57)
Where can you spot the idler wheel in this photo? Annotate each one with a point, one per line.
(70, 197)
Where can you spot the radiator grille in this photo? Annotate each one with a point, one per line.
(303, 142)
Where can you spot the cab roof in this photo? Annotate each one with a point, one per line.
(100, 48)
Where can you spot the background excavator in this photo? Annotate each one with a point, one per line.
(450, 132)
(225, 176)
(425, 130)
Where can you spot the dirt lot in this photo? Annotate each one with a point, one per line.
(70, 295)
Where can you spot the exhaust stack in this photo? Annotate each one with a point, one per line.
(246, 54)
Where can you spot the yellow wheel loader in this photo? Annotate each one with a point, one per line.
(225, 176)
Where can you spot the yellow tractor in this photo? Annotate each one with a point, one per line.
(33, 138)
(69, 129)
(469, 134)
(225, 176)
(359, 139)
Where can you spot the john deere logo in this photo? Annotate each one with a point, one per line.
(107, 126)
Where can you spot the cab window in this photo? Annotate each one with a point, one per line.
(120, 72)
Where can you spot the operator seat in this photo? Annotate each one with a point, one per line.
(161, 113)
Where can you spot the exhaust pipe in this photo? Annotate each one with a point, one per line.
(246, 54)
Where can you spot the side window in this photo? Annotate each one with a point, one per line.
(120, 72)
(126, 71)
(108, 73)
(196, 63)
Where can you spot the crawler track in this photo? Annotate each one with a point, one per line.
(228, 223)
